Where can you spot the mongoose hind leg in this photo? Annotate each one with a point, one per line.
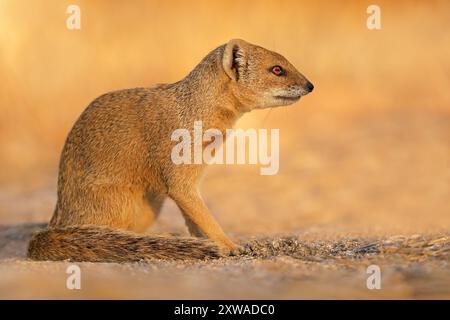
(148, 211)
(108, 205)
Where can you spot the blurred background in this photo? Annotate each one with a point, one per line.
(367, 151)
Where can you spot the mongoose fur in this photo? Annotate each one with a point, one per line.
(116, 170)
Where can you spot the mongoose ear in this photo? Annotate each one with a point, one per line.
(234, 58)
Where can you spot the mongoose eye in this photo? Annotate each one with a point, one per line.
(278, 71)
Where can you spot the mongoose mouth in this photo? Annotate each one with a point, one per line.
(289, 98)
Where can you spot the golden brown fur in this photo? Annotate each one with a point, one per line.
(116, 170)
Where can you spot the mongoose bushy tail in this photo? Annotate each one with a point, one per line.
(102, 244)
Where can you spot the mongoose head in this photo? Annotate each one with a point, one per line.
(260, 78)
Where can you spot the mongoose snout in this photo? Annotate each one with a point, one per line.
(116, 169)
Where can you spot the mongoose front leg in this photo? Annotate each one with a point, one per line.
(200, 221)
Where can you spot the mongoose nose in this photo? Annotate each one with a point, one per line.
(309, 86)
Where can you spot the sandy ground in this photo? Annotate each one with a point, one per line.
(368, 189)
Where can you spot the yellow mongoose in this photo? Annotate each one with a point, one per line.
(116, 169)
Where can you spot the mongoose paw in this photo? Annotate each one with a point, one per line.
(233, 250)
(237, 251)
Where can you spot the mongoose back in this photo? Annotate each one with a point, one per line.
(116, 169)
